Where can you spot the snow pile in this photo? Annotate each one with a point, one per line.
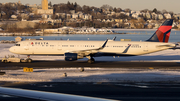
(92, 75)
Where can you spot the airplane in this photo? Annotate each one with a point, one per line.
(74, 50)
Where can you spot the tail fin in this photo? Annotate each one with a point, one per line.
(163, 32)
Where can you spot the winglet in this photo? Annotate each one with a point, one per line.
(104, 44)
(126, 50)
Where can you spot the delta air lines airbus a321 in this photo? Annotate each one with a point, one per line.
(74, 50)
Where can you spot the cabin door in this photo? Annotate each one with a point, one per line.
(59, 47)
(145, 47)
(26, 46)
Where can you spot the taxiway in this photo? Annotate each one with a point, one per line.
(100, 64)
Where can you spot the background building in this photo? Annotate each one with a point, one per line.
(45, 9)
(44, 4)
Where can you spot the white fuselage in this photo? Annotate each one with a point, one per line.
(54, 47)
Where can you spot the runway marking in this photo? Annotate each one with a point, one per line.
(26, 69)
(151, 68)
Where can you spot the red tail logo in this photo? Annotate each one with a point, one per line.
(163, 32)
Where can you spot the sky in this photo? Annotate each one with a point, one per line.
(168, 5)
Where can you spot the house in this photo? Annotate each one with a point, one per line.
(118, 14)
(1, 29)
(178, 26)
(87, 17)
(177, 16)
(128, 14)
(108, 20)
(160, 16)
(148, 16)
(154, 16)
(45, 16)
(135, 15)
(18, 39)
(99, 20)
(119, 20)
(104, 20)
(167, 16)
(81, 16)
(75, 16)
(50, 30)
(58, 21)
(72, 11)
(156, 26)
(113, 13)
(62, 15)
(112, 20)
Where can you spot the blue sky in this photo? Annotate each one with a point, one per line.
(169, 5)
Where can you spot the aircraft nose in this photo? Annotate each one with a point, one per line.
(12, 49)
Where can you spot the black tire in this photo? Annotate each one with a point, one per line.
(91, 60)
(29, 60)
(5, 61)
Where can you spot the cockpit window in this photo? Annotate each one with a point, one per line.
(17, 44)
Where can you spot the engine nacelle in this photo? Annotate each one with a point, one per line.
(70, 56)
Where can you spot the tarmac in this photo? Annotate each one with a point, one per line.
(99, 64)
(122, 91)
(115, 91)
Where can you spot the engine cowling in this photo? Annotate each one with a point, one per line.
(71, 56)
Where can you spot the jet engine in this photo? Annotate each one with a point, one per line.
(71, 56)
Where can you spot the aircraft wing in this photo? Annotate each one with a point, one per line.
(90, 51)
(48, 96)
(170, 46)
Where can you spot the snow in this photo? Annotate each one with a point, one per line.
(96, 74)
(92, 75)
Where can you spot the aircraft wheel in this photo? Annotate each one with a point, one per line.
(91, 60)
(5, 61)
(29, 60)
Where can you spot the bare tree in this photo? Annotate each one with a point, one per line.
(127, 10)
(106, 6)
(164, 11)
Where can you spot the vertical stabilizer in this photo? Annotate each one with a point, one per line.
(163, 32)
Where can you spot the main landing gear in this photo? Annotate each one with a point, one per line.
(91, 60)
(29, 60)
